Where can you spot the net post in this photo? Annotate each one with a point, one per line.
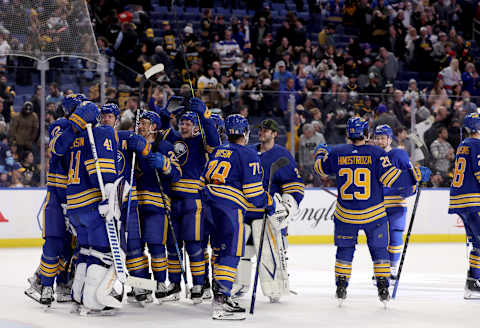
(102, 68)
(42, 66)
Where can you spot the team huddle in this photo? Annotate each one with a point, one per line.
(122, 207)
(111, 195)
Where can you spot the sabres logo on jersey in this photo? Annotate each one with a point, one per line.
(120, 162)
(180, 149)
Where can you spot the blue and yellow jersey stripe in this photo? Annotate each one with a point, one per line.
(229, 193)
(318, 167)
(253, 189)
(57, 180)
(107, 165)
(367, 215)
(417, 174)
(189, 186)
(134, 195)
(78, 120)
(147, 197)
(83, 198)
(465, 200)
(293, 187)
(394, 201)
(389, 177)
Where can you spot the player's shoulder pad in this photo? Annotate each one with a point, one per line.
(123, 134)
(399, 153)
(281, 151)
(59, 124)
(104, 130)
(163, 147)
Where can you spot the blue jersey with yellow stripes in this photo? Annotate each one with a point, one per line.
(57, 170)
(148, 190)
(234, 176)
(83, 190)
(361, 173)
(465, 187)
(192, 156)
(395, 197)
(286, 180)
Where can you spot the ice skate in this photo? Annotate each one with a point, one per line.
(472, 289)
(224, 308)
(383, 294)
(196, 294)
(34, 291)
(63, 293)
(341, 293)
(139, 296)
(207, 292)
(46, 297)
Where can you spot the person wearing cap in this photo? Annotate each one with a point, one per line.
(385, 117)
(288, 183)
(281, 74)
(24, 127)
(168, 40)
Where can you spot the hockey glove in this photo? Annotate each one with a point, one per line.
(199, 107)
(425, 172)
(85, 113)
(138, 144)
(159, 161)
(270, 208)
(321, 151)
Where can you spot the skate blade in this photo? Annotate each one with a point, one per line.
(33, 294)
(170, 298)
(75, 308)
(471, 296)
(340, 302)
(64, 299)
(293, 292)
(84, 312)
(274, 299)
(207, 295)
(385, 303)
(220, 315)
(197, 301)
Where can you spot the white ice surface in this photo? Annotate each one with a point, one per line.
(430, 295)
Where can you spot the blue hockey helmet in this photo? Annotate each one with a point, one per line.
(71, 101)
(356, 127)
(236, 124)
(153, 117)
(190, 116)
(472, 122)
(110, 108)
(384, 129)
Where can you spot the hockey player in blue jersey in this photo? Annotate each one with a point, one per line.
(233, 179)
(92, 286)
(128, 143)
(362, 171)
(288, 187)
(394, 198)
(154, 202)
(196, 138)
(465, 198)
(57, 249)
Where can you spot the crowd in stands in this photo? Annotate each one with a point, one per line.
(320, 61)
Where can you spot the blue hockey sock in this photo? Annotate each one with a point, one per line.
(159, 262)
(343, 263)
(137, 264)
(225, 272)
(197, 263)
(49, 262)
(474, 263)
(395, 246)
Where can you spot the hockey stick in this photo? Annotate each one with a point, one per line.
(412, 218)
(174, 238)
(137, 120)
(279, 163)
(117, 253)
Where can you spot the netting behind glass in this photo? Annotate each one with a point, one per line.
(47, 28)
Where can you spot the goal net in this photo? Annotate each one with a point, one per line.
(43, 29)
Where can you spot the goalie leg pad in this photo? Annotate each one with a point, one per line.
(99, 284)
(273, 280)
(79, 282)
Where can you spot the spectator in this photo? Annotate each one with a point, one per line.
(285, 96)
(308, 141)
(385, 117)
(390, 68)
(4, 50)
(30, 174)
(128, 114)
(402, 141)
(282, 75)
(325, 37)
(442, 152)
(470, 79)
(3, 124)
(54, 94)
(228, 50)
(340, 79)
(24, 127)
(441, 116)
(438, 93)
(451, 75)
